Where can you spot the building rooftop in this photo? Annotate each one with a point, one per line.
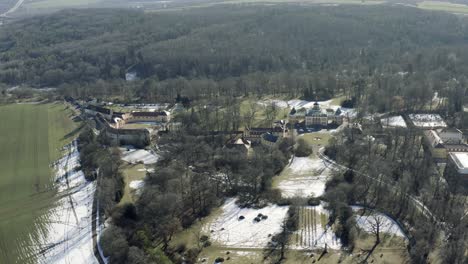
(99, 109)
(270, 137)
(158, 113)
(460, 159)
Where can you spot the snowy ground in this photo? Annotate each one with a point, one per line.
(132, 155)
(369, 220)
(304, 177)
(137, 186)
(69, 234)
(227, 230)
(427, 120)
(312, 232)
(393, 121)
(296, 103)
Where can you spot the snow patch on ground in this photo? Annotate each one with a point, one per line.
(275, 102)
(309, 104)
(306, 165)
(368, 221)
(132, 155)
(307, 177)
(228, 230)
(135, 185)
(69, 234)
(393, 121)
(427, 120)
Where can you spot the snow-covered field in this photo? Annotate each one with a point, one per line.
(369, 220)
(132, 155)
(427, 120)
(69, 234)
(306, 177)
(275, 102)
(393, 121)
(227, 230)
(312, 232)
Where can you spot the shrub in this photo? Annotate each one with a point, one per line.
(313, 201)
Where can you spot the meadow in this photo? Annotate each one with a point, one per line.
(31, 138)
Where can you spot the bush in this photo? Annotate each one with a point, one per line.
(349, 103)
(219, 260)
(313, 201)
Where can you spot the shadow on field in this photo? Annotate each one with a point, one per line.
(73, 133)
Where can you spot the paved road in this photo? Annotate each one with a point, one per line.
(13, 9)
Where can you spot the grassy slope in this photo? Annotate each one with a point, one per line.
(31, 138)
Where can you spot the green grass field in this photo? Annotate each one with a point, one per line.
(31, 137)
(316, 138)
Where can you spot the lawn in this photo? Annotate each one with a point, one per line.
(32, 136)
(316, 139)
(131, 172)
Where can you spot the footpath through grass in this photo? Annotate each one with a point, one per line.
(31, 138)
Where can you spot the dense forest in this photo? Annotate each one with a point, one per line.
(311, 52)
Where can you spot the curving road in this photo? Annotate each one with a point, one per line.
(13, 9)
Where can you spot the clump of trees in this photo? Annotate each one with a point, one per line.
(303, 149)
(101, 163)
(393, 174)
(196, 171)
(213, 52)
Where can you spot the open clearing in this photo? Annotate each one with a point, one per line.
(133, 175)
(228, 230)
(32, 137)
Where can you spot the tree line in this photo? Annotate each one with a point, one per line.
(385, 57)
